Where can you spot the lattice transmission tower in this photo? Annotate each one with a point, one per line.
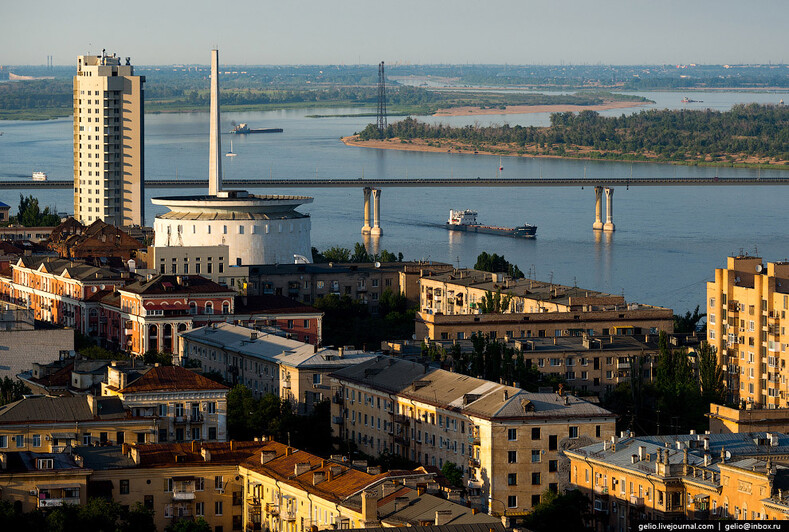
(381, 98)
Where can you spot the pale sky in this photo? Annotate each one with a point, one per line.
(415, 31)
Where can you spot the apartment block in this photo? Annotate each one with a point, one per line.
(506, 441)
(267, 363)
(746, 322)
(108, 142)
(185, 405)
(681, 477)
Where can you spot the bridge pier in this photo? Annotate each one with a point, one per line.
(598, 209)
(376, 229)
(609, 210)
(366, 226)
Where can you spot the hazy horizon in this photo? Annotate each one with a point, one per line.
(351, 32)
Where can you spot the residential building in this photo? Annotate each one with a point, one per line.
(108, 142)
(22, 342)
(51, 424)
(679, 477)
(299, 321)
(746, 324)
(452, 306)
(726, 419)
(594, 364)
(210, 262)
(71, 375)
(360, 281)
(19, 232)
(506, 441)
(5, 209)
(42, 480)
(99, 240)
(185, 405)
(267, 363)
(290, 490)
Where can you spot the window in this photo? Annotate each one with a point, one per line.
(200, 509)
(168, 484)
(553, 466)
(148, 502)
(536, 455)
(535, 479)
(535, 433)
(512, 501)
(512, 479)
(512, 457)
(211, 407)
(219, 482)
(573, 432)
(512, 434)
(553, 442)
(316, 378)
(124, 487)
(86, 439)
(36, 440)
(218, 508)
(45, 463)
(211, 433)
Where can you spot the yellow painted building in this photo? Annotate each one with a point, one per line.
(679, 477)
(40, 481)
(51, 424)
(746, 315)
(506, 441)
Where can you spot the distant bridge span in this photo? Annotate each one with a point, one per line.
(372, 188)
(428, 182)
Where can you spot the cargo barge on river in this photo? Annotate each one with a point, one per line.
(466, 221)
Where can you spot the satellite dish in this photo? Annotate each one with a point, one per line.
(377, 264)
(759, 268)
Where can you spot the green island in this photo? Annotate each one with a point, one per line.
(750, 135)
(52, 98)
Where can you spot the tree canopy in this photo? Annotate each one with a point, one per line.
(29, 214)
(497, 264)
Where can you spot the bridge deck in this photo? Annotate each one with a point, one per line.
(430, 182)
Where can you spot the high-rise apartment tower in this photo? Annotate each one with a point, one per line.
(108, 142)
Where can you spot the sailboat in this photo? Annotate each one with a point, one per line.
(230, 153)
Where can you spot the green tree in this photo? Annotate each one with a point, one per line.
(12, 390)
(677, 386)
(711, 377)
(185, 525)
(336, 254)
(452, 473)
(360, 253)
(688, 322)
(29, 214)
(558, 512)
(497, 264)
(494, 303)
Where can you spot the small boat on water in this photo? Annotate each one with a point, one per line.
(466, 221)
(39, 176)
(243, 129)
(231, 153)
(688, 100)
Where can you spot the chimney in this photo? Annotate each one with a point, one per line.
(301, 468)
(334, 472)
(206, 454)
(506, 395)
(267, 456)
(443, 517)
(361, 464)
(253, 336)
(400, 503)
(420, 489)
(125, 449)
(232, 445)
(374, 470)
(369, 508)
(633, 458)
(388, 488)
(340, 352)
(288, 451)
(707, 459)
(3, 461)
(195, 446)
(641, 452)
(215, 141)
(706, 444)
(318, 477)
(723, 454)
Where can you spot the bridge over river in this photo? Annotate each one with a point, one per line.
(372, 187)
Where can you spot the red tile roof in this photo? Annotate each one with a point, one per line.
(169, 454)
(171, 378)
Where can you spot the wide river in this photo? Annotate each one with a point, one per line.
(667, 243)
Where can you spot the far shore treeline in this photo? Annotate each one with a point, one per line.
(752, 133)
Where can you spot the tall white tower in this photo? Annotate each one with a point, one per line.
(109, 175)
(215, 140)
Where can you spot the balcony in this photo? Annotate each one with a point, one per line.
(336, 420)
(253, 502)
(623, 365)
(402, 419)
(402, 440)
(180, 420)
(636, 501)
(272, 508)
(255, 525)
(289, 514)
(184, 494)
(196, 418)
(473, 462)
(337, 399)
(601, 492)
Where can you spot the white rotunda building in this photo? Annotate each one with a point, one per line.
(258, 229)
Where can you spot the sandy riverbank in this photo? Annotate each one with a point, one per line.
(527, 109)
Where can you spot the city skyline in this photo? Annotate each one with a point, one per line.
(350, 32)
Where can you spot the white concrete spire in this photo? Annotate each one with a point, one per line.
(215, 149)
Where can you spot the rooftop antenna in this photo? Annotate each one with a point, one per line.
(381, 98)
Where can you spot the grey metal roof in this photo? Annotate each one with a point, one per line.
(273, 348)
(420, 508)
(24, 461)
(477, 397)
(99, 458)
(60, 409)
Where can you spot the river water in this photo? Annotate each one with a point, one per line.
(668, 240)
